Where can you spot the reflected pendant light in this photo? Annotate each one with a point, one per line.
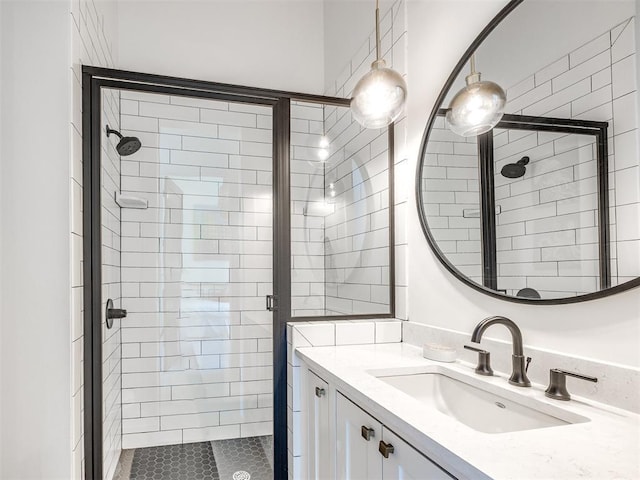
(380, 95)
(478, 107)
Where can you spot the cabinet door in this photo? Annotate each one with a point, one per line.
(318, 427)
(357, 433)
(405, 463)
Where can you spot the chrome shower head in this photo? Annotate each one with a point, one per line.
(126, 145)
(515, 170)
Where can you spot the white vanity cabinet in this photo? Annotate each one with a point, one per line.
(318, 439)
(357, 437)
(346, 443)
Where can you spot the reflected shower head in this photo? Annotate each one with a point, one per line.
(515, 170)
(126, 145)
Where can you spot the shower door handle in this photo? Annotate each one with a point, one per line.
(272, 302)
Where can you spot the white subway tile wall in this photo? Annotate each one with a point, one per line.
(92, 32)
(356, 245)
(340, 215)
(452, 197)
(308, 210)
(542, 213)
(111, 284)
(547, 221)
(357, 230)
(196, 266)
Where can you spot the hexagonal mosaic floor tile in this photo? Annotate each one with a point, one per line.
(242, 459)
(190, 461)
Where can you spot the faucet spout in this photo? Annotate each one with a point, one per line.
(518, 374)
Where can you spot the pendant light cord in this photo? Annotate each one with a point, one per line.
(377, 30)
(472, 62)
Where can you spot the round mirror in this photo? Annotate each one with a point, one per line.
(542, 206)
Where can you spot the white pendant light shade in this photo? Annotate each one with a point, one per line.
(379, 96)
(477, 108)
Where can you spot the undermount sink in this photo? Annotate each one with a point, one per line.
(475, 405)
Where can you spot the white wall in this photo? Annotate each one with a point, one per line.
(347, 24)
(36, 276)
(269, 44)
(541, 31)
(606, 329)
(1, 223)
(92, 42)
(44, 44)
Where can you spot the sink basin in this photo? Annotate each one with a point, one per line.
(475, 406)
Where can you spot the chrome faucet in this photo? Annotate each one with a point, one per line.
(519, 373)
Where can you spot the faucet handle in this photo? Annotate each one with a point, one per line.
(484, 361)
(557, 388)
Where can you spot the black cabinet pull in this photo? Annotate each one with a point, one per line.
(319, 392)
(385, 449)
(367, 433)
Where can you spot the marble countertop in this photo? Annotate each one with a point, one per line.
(605, 447)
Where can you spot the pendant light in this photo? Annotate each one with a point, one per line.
(478, 107)
(380, 95)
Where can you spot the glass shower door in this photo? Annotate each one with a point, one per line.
(195, 261)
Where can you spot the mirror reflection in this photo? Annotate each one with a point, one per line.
(546, 203)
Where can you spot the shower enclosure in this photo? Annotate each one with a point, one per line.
(208, 209)
(530, 182)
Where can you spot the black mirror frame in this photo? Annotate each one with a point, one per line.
(420, 201)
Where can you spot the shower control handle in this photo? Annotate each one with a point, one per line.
(112, 313)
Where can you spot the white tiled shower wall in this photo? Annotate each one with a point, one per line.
(357, 233)
(340, 215)
(92, 30)
(196, 266)
(111, 285)
(452, 197)
(547, 228)
(593, 82)
(357, 245)
(307, 211)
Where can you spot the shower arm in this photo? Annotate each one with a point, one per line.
(111, 130)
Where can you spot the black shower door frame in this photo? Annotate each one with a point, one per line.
(93, 80)
(487, 187)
